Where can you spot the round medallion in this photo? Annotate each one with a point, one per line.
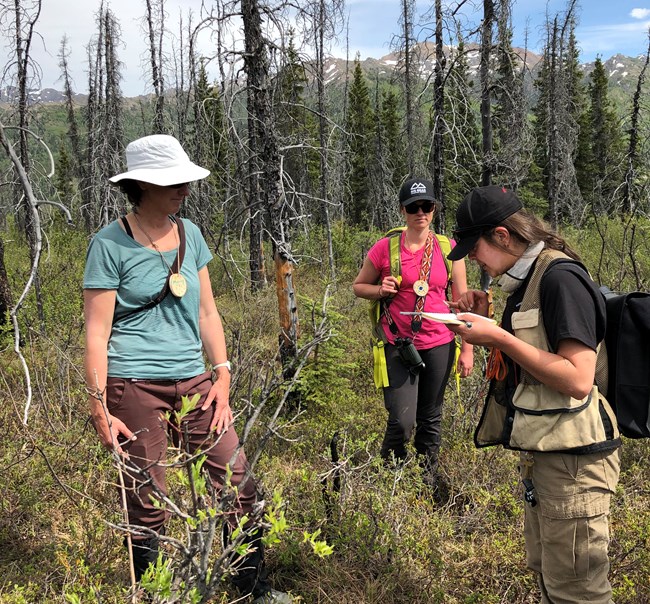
(177, 284)
(421, 287)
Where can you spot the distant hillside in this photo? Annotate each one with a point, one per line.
(385, 66)
(623, 71)
(43, 95)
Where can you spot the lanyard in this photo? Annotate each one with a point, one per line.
(421, 288)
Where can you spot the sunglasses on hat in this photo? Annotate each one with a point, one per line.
(426, 207)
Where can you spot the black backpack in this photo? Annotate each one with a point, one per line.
(627, 341)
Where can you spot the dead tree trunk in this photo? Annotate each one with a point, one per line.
(73, 130)
(407, 16)
(255, 67)
(437, 167)
(322, 132)
(155, 30)
(553, 163)
(484, 72)
(25, 18)
(264, 179)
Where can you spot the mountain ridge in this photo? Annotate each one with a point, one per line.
(623, 71)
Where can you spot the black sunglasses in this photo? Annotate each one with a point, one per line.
(180, 185)
(426, 207)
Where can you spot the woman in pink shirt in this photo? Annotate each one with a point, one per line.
(415, 393)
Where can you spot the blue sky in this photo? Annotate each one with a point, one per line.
(605, 27)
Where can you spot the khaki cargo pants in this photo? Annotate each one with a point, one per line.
(567, 532)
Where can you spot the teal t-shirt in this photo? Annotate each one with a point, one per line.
(162, 342)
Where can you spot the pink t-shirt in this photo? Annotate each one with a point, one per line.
(432, 333)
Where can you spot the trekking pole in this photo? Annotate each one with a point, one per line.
(125, 514)
(129, 541)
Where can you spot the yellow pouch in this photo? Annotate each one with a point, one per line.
(380, 367)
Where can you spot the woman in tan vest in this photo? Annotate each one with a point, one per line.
(543, 400)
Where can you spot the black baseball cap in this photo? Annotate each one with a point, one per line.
(416, 189)
(482, 209)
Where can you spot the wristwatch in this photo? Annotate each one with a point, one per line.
(225, 364)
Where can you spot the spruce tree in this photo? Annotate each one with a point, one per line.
(64, 177)
(578, 109)
(392, 128)
(574, 76)
(632, 194)
(360, 137)
(535, 185)
(600, 159)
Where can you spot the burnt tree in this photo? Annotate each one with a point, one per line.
(486, 102)
(264, 187)
(437, 156)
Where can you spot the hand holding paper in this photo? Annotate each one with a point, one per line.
(451, 318)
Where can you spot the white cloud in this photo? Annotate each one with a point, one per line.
(640, 13)
(625, 38)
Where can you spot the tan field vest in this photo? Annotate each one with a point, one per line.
(544, 419)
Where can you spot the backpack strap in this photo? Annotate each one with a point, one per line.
(394, 254)
(127, 226)
(178, 263)
(395, 259)
(176, 267)
(445, 248)
(531, 299)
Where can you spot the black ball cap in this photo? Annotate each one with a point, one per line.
(416, 189)
(482, 209)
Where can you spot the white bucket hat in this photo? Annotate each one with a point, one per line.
(160, 160)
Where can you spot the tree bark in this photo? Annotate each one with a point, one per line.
(155, 57)
(407, 11)
(322, 132)
(437, 167)
(264, 183)
(484, 72)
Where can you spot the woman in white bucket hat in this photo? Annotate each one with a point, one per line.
(150, 315)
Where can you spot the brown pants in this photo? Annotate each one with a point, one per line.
(567, 532)
(142, 405)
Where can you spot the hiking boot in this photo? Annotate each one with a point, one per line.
(273, 597)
